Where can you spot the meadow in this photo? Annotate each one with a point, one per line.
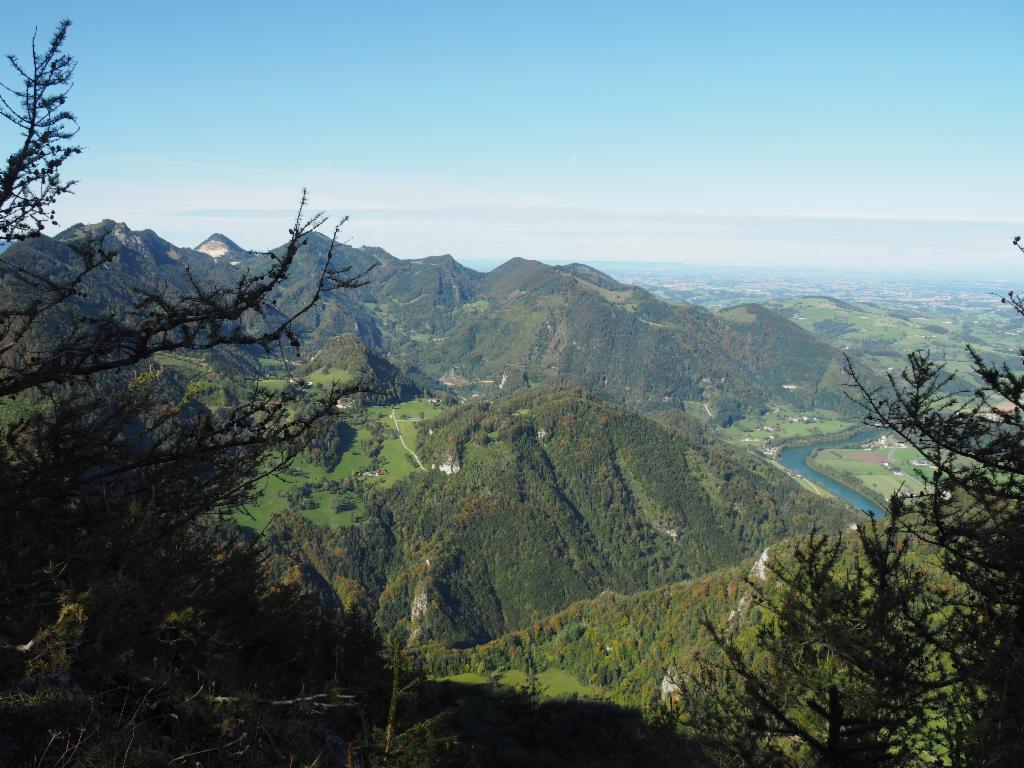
(783, 423)
(884, 468)
(883, 337)
(309, 480)
(551, 683)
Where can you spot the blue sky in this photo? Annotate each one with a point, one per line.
(880, 134)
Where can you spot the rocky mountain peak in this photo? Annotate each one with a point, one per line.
(217, 246)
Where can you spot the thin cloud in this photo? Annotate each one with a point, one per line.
(234, 213)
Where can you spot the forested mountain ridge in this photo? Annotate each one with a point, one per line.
(529, 322)
(523, 322)
(550, 496)
(346, 358)
(138, 256)
(155, 399)
(141, 262)
(133, 263)
(560, 495)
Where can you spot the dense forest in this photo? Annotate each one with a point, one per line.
(558, 497)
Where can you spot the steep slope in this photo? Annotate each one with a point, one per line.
(631, 346)
(625, 645)
(140, 260)
(633, 647)
(551, 496)
(559, 494)
(522, 323)
(401, 303)
(805, 366)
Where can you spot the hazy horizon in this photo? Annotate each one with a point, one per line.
(805, 136)
(1009, 269)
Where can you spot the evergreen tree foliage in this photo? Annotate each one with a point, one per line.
(559, 496)
(135, 626)
(910, 649)
(30, 182)
(843, 669)
(973, 517)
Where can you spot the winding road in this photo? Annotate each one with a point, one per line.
(402, 440)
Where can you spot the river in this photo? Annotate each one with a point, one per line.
(796, 460)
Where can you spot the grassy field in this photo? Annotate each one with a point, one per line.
(332, 509)
(784, 423)
(303, 473)
(740, 315)
(467, 678)
(327, 376)
(552, 683)
(273, 385)
(883, 338)
(885, 467)
(189, 366)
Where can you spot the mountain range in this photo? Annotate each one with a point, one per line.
(518, 325)
(568, 470)
(525, 322)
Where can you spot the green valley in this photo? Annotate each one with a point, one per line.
(616, 646)
(783, 424)
(551, 683)
(377, 445)
(882, 336)
(704, 450)
(880, 468)
(548, 497)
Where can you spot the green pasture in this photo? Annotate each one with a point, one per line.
(552, 683)
(943, 332)
(881, 479)
(324, 508)
(328, 376)
(740, 315)
(189, 366)
(273, 385)
(827, 423)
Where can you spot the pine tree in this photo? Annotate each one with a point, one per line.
(908, 650)
(842, 671)
(973, 517)
(137, 626)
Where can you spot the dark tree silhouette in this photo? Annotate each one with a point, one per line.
(844, 670)
(973, 518)
(136, 624)
(909, 648)
(30, 183)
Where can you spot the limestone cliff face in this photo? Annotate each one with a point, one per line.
(669, 688)
(450, 465)
(760, 569)
(418, 610)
